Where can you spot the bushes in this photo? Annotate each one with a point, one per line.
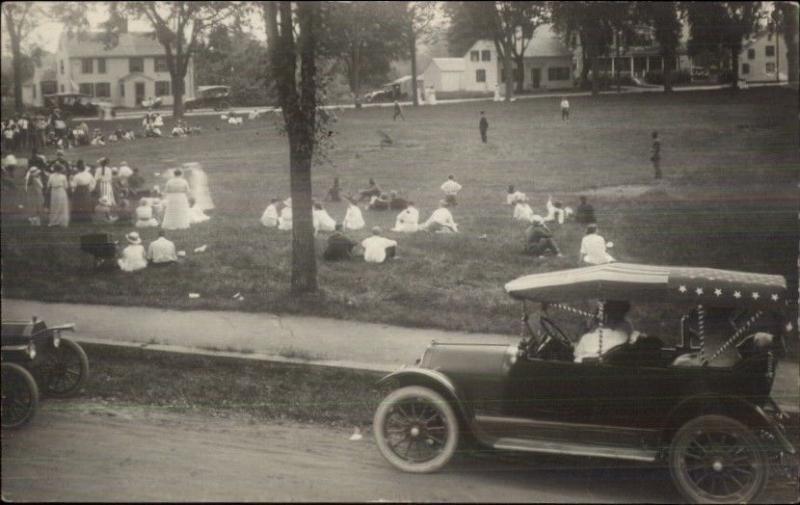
(607, 80)
(678, 78)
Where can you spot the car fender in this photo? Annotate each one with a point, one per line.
(414, 376)
(736, 408)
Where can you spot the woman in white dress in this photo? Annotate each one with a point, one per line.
(408, 220)
(522, 211)
(322, 220)
(104, 176)
(198, 181)
(176, 215)
(59, 203)
(285, 221)
(353, 219)
(144, 215)
(270, 216)
(196, 214)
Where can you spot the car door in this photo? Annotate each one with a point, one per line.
(548, 390)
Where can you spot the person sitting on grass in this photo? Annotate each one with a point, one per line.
(322, 221)
(161, 251)
(333, 194)
(450, 188)
(196, 214)
(104, 212)
(555, 211)
(372, 190)
(378, 248)
(515, 196)
(396, 202)
(339, 246)
(353, 219)
(285, 219)
(133, 256)
(522, 212)
(539, 240)
(441, 221)
(584, 214)
(379, 202)
(144, 215)
(593, 248)
(408, 220)
(270, 216)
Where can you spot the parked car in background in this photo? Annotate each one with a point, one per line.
(700, 73)
(37, 359)
(384, 95)
(210, 97)
(151, 102)
(72, 104)
(673, 401)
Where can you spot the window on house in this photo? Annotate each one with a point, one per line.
(86, 88)
(770, 67)
(102, 90)
(770, 50)
(122, 90)
(136, 65)
(101, 65)
(161, 64)
(87, 65)
(480, 75)
(745, 68)
(558, 74)
(162, 88)
(751, 54)
(474, 56)
(486, 55)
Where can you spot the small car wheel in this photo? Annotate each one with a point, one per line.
(416, 429)
(716, 459)
(20, 396)
(66, 369)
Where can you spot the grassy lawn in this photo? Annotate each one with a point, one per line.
(729, 200)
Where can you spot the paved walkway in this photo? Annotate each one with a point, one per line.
(299, 339)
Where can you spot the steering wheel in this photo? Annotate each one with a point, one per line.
(550, 329)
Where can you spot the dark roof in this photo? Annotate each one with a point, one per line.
(648, 283)
(130, 44)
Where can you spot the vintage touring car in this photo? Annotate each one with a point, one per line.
(36, 357)
(665, 397)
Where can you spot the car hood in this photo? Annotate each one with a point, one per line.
(469, 359)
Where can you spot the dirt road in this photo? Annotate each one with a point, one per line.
(90, 451)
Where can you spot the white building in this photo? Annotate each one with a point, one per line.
(444, 74)
(43, 82)
(764, 58)
(126, 74)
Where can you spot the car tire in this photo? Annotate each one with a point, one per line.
(417, 417)
(66, 369)
(717, 459)
(20, 396)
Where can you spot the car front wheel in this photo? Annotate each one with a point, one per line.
(716, 459)
(20, 396)
(66, 368)
(416, 429)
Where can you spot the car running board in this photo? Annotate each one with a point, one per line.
(575, 449)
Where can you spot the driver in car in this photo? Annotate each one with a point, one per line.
(617, 330)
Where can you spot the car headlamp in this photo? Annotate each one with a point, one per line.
(31, 350)
(56, 338)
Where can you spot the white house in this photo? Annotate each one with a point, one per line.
(126, 74)
(444, 74)
(764, 58)
(548, 62)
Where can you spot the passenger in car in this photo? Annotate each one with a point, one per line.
(617, 330)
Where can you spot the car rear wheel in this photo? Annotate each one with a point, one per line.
(66, 369)
(20, 396)
(716, 459)
(416, 429)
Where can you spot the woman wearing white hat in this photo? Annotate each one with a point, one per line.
(133, 256)
(176, 216)
(34, 189)
(59, 203)
(104, 212)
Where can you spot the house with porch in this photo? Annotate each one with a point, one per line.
(124, 75)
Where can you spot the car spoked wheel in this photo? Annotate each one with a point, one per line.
(716, 459)
(66, 369)
(416, 429)
(20, 396)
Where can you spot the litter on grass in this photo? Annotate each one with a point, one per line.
(194, 295)
(356, 436)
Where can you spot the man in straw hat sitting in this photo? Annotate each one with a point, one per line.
(441, 221)
(133, 256)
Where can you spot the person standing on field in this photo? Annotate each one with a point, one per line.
(564, 109)
(656, 155)
(483, 126)
(398, 112)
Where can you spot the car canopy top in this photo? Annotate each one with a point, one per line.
(648, 283)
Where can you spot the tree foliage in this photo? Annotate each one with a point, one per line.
(722, 26)
(364, 37)
(786, 17)
(19, 19)
(663, 18)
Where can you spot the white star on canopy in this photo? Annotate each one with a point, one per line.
(737, 294)
(699, 291)
(755, 295)
(682, 289)
(774, 298)
(717, 292)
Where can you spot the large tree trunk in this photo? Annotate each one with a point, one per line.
(790, 29)
(520, 78)
(595, 75)
(734, 56)
(177, 95)
(304, 261)
(17, 57)
(508, 72)
(669, 68)
(413, 47)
